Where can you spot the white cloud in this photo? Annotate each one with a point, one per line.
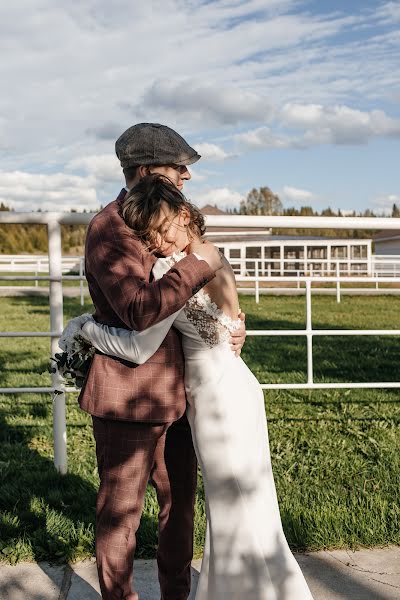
(101, 167)
(113, 57)
(293, 194)
(389, 13)
(384, 203)
(212, 152)
(206, 103)
(196, 175)
(222, 197)
(29, 192)
(338, 124)
(264, 137)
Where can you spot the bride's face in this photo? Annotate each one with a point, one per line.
(171, 230)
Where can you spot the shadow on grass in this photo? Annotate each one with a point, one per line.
(45, 515)
(335, 358)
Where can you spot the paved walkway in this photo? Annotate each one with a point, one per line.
(334, 575)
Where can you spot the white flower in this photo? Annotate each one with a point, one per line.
(69, 341)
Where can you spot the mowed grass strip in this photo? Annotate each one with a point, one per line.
(335, 453)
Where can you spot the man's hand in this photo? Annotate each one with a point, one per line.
(209, 253)
(238, 337)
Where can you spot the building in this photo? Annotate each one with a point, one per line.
(267, 254)
(387, 242)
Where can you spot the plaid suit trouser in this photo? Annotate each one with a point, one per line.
(129, 454)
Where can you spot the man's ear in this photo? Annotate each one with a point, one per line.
(143, 171)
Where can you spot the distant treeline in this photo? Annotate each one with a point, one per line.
(263, 201)
(32, 239)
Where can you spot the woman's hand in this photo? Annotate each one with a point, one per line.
(238, 337)
(207, 252)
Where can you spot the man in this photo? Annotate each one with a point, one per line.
(138, 410)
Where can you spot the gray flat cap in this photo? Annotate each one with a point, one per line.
(153, 144)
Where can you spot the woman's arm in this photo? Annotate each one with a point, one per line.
(135, 346)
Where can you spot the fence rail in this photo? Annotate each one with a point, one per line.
(55, 277)
(261, 271)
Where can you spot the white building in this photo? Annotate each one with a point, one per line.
(290, 254)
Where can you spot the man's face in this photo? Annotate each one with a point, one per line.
(178, 174)
(171, 230)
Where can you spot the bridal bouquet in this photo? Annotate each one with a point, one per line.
(74, 361)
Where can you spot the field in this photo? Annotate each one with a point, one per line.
(335, 453)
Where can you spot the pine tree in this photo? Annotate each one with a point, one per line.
(395, 211)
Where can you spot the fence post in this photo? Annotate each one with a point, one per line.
(56, 326)
(310, 377)
(81, 280)
(337, 283)
(37, 272)
(257, 282)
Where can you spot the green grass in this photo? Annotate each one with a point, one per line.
(335, 453)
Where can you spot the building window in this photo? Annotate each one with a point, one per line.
(339, 251)
(235, 253)
(317, 252)
(359, 251)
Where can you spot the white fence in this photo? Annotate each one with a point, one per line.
(379, 265)
(382, 265)
(256, 271)
(55, 277)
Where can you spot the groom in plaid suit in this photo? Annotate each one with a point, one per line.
(138, 411)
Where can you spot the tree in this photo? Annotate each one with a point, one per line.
(328, 212)
(3, 206)
(261, 202)
(306, 211)
(367, 213)
(395, 211)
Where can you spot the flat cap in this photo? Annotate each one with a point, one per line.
(153, 144)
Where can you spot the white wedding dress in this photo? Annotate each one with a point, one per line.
(246, 554)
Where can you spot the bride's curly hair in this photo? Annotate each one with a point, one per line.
(142, 205)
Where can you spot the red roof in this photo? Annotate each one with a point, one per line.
(212, 210)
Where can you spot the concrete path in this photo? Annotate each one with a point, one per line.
(334, 575)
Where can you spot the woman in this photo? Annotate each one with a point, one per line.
(246, 554)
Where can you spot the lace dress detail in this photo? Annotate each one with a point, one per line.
(210, 322)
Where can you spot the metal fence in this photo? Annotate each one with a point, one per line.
(53, 222)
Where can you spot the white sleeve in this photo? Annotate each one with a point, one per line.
(135, 346)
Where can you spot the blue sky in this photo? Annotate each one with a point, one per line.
(299, 95)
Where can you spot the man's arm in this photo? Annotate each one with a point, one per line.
(117, 269)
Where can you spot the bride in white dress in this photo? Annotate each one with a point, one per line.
(246, 554)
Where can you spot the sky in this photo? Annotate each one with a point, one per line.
(302, 96)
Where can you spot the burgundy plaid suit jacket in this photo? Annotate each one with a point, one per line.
(118, 270)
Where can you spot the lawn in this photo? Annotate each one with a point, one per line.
(335, 453)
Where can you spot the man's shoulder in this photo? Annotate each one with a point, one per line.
(108, 220)
(110, 211)
(108, 227)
